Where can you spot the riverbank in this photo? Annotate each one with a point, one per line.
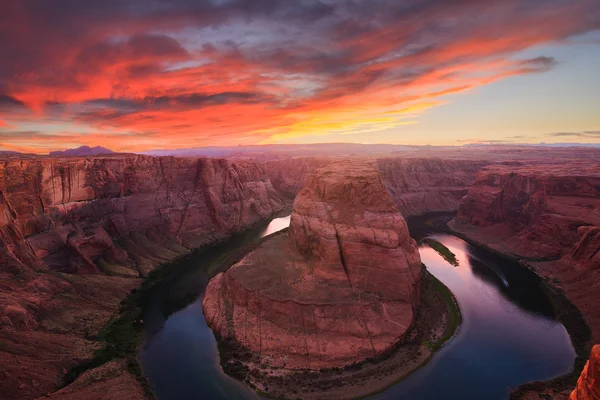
(437, 321)
(125, 333)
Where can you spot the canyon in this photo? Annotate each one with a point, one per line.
(80, 234)
(417, 185)
(302, 300)
(547, 216)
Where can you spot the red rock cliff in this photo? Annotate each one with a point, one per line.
(341, 287)
(72, 211)
(547, 215)
(76, 234)
(421, 185)
(417, 185)
(588, 385)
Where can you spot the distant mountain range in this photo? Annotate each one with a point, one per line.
(82, 151)
(274, 151)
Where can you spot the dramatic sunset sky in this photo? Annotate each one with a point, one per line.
(151, 74)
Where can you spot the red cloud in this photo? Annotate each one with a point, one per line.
(197, 73)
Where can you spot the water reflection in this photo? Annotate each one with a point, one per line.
(508, 335)
(276, 225)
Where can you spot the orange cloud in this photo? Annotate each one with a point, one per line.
(197, 73)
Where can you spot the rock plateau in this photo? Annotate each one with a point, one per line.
(342, 286)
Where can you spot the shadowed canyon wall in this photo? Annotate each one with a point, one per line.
(77, 234)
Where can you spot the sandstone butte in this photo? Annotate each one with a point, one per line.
(77, 234)
(588, 385)
(547, 216)
(342, 286)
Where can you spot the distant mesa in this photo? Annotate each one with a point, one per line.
(83, 151)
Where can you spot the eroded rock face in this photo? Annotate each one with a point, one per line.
(422, 185)
(547, 215)
(72, 210)
(416, 185)
(77, 234)
(588, 385)
(341, 287)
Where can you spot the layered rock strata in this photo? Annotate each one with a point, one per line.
(422, 185)
(548, 216)
(77, 234)
(416, 185)
(342, 286)
(588, 385)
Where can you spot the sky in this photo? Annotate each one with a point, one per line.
(136, 75)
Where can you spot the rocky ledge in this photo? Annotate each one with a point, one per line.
(341, 287)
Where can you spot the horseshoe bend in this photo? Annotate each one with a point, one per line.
(107, 260)
(341, 286)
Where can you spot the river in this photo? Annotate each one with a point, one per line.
(508, 336)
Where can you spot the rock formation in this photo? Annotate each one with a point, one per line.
(417, 185)
(422, 185)
(77, 234)
(72, 210)
(588, 385)
(288, 176)
(546, 215)
(342, 286)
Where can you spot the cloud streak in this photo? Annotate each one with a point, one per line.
(191, 73)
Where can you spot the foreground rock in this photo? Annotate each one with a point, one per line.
(341, 287)
(78, 234)
(588, 385)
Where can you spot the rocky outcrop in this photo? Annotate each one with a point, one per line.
(342, 286)
(417, 185)
(77, 234)
(546, 215)
(588, 385)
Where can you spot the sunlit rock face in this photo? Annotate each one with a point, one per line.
(588, 385)
(342, 286)
(346, 223)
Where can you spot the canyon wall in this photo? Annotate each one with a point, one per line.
(77, 234)
(422, 185)
(342, 286)
(547, 216)
(417, 185)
